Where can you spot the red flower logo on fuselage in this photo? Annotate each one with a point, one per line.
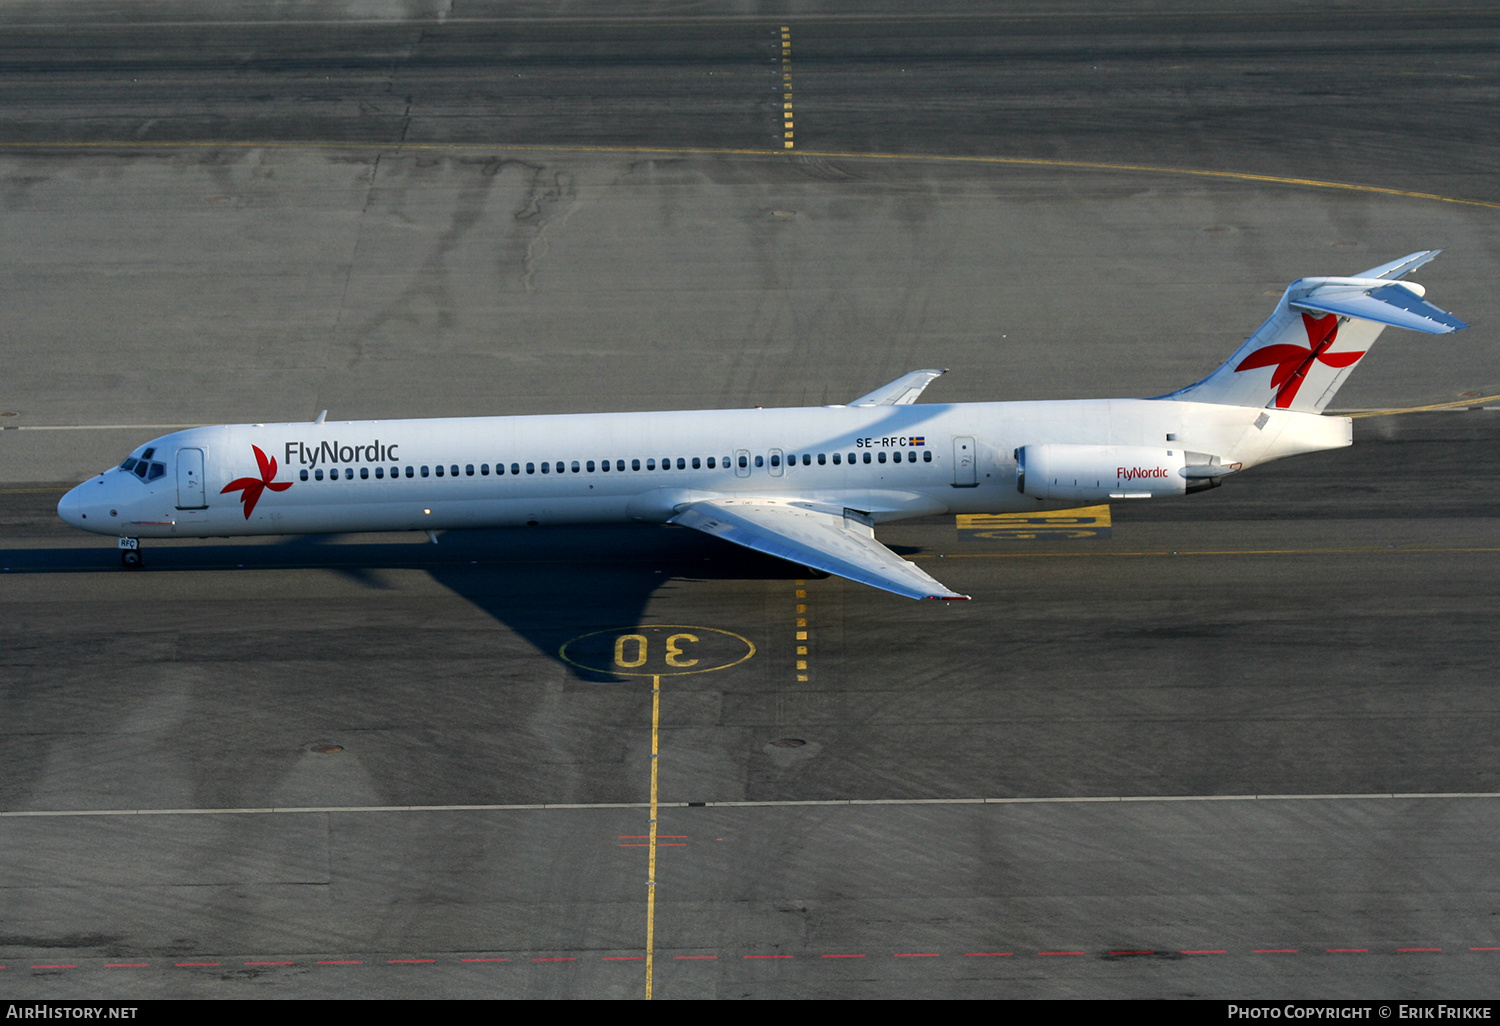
(250, 488)
(1293, 362)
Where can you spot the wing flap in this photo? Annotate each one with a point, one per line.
(901, 392)
(819, 536)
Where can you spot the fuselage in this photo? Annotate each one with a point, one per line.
(887, 462)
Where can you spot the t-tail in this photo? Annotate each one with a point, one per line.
(1320, 331)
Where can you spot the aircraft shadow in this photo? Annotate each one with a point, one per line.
(547, 585)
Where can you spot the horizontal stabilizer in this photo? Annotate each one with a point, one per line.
(1400, 268)
(901, 392)
(822, 537)
(1370, 299)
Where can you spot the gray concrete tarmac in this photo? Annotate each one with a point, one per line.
(367, 768)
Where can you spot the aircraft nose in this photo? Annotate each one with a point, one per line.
(69, 508)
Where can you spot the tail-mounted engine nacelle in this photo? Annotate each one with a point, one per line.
(1098, 473)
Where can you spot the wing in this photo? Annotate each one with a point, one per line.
(822, 537)
(901, 392)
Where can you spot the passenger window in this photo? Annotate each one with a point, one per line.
(822, 460)
(836, 459)
(775, 460)
(590, 466)
(364, 473)
(604, 466)
(409, 471)
(620, 465)
(546, 467)
(867, 457)
(697, 464)
(681, 463)
(515, 468)
(882, 457)
(424, 471)
(635, 464)
(453, 470)
(927, 456)
(744, 461)
(650, 464)
(484, 470)
(575, 466)
(851, 457)
(911, 455)
(468, 469)
(531, 468)
(439, 470)
(711, 463)
(760, 461)
(317, 475)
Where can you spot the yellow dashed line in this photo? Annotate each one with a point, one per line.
(786, 85)
(801, 634)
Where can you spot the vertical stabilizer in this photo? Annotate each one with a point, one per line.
(1320, 331)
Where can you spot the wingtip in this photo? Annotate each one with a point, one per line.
(950, 598)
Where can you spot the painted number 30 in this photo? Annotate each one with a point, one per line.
(631, 650)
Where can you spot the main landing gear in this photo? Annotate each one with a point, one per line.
(130, 553)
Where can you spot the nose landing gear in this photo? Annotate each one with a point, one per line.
(130, 553)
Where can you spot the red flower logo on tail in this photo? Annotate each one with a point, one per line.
(1293, 362)
(250, 488)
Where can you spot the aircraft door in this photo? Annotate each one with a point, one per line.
(965, 462)
(190, 491)
(742, 463)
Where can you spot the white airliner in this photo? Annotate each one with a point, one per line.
(807, 485)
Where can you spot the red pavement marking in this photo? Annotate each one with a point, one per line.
(346, 962)
(270, 963)
(768, 956)
(484, 960)
(695, 956)
(410, 961)
(1132, 952)
(54, 967)
(1221, 951)
(915, 954)
(1275, 951)
(841, 956)
(1419, 949)
(1059, 952)
(624, 958)
(206, 964)
(1348, 951)
(554, 959)
(123, 965)
(1484, 949)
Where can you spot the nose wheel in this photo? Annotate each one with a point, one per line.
(130, 553)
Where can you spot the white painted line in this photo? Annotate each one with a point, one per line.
(1103, 799)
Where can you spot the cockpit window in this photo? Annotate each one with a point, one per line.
(148, 454)
(143, 468)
